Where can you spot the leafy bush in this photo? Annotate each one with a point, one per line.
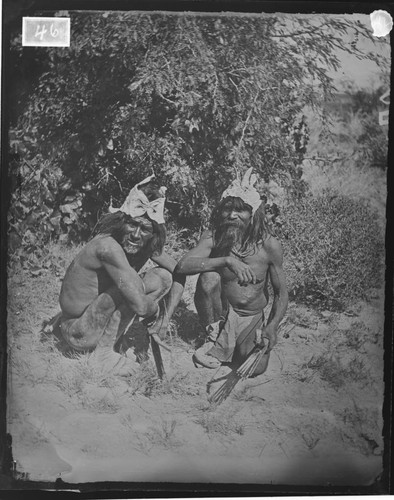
(333, 249)
(195, 98)
(348, 153)
(373, 141)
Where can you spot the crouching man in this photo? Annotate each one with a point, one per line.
(106, 306)
(235, 258)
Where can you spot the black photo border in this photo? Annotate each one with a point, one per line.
(10, 487)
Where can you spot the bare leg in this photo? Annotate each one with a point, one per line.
(262, 366)
(84, 333)
(242, 351)
(208, 298)
(210, 307)
(157, 283)
(96, 330)
(103, 323)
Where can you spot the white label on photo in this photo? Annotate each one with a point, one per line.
(46, 32)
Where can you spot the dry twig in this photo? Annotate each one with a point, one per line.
(243, 372)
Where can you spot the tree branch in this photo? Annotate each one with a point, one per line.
(299, 32)
(235, 85)
(247, 120)
(165, 98)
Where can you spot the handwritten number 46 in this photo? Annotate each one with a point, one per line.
(41, 32)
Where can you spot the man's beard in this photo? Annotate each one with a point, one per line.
(228, 236)
(131, 247)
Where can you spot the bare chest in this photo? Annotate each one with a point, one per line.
(258, 262)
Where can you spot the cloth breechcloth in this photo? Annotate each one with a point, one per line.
(235, 330)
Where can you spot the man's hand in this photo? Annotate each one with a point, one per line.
(158, 323)
(269, 333)
(242, 271)
(157, 326)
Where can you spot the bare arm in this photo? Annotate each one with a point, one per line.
(114, 261)
(278, 281)
(175, 294)
(165, 261)
(198, 260)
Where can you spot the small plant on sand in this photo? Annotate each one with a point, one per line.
(147, 383)
(143, 443)
(128, 421)
(141, 440)
(223, 423)
(358, 371)
(179, 385)
(163, 435)
(336, 371)
(363, 429)
(310, 438)
(70, 383)
(213, 424)
(18, 366)
(72, 374)
(356, 336)
(303, 318)
(329, 369)
(239, 429)
(102, 404)
(244, 394)
(145, 380)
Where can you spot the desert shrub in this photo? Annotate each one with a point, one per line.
(336, 371)
(333, 250)
(373, 141)
(213, 423)
(352, 131)
(348, 152)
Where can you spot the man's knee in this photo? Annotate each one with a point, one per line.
(77, 337)
(105, 303)
(166, 278)
(262, 366)
(83, 333)
(208, 283)
(159, 280)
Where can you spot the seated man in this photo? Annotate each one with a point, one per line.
(102, 294)
(235, 258)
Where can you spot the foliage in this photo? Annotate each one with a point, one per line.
(334, 249)
(369, 140)
(191, 97)
(343, 162)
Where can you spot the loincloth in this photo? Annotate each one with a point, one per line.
(235, 330)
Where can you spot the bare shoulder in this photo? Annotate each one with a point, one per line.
(206, 235)
(105, 247)
(202, 249)
(274, 249)
(206, 239)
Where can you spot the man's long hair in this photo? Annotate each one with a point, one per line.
(254, 235)
(114, 224)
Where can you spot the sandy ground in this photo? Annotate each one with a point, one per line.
(314, 418)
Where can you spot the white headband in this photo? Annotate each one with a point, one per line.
(137, 203)
(245, 190)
